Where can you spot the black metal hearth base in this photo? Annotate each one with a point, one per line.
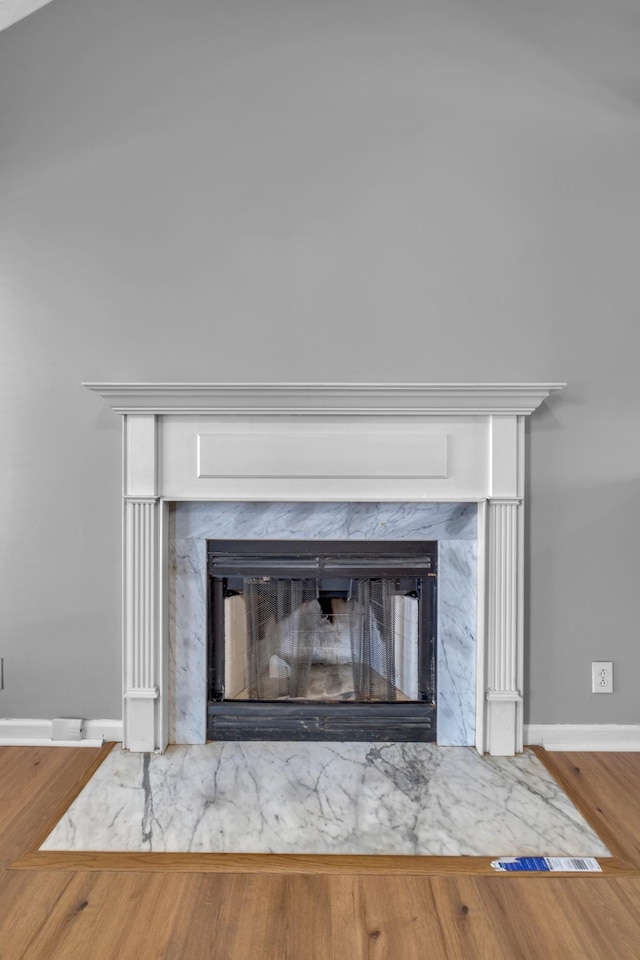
(241, 720)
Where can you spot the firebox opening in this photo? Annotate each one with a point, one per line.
(322, 640)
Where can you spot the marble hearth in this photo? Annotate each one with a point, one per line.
(325, 798)
(401, 458)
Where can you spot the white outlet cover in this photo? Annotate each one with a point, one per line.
(602, 676)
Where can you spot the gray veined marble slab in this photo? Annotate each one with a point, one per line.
(456, 647)
(318, 798)
(454, 525)
(188, 641)
(324, 521)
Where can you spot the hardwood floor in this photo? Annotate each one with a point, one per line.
(108, 914)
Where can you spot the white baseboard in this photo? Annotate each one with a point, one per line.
(38, 733)
(552, 736)
(621, 737)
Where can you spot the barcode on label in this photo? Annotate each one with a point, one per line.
(584, 864)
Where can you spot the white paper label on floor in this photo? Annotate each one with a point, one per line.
(565, 864)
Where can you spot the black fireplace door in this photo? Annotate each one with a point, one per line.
(322, 640)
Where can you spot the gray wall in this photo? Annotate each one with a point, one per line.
(318, 190)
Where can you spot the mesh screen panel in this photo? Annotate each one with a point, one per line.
(373, 639)
(290, 634)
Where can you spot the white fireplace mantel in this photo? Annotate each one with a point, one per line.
(325, 442)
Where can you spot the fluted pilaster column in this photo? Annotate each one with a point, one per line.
(142, 626)
(504, 628)
(142, 578)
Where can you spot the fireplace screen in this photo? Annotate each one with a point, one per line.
(315, 624)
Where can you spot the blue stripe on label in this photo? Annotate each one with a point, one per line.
(524, 863)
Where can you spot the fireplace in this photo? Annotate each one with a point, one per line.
(381, 445)
(321, 640)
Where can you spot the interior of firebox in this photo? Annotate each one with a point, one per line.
(322, 622)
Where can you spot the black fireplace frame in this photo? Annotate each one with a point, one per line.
(313, 720)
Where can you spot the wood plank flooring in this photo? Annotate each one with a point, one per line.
(109, 914)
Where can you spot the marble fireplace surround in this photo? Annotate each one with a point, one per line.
(335, 444)
(452, 525)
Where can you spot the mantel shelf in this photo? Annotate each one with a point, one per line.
(326, 399)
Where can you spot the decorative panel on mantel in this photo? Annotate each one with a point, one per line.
(408, 459)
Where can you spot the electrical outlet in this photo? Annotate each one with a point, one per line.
(602, 676)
